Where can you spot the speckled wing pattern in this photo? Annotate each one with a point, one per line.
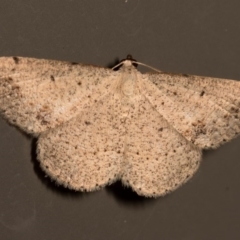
(96, 126)
(39, 94)
(202, 109)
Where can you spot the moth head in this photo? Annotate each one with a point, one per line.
(127, 62)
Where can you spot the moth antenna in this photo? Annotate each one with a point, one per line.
(135, 63)
(116, 66)
(145, 65)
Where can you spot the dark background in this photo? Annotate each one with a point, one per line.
(198, 37)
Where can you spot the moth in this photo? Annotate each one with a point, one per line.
(96, 125)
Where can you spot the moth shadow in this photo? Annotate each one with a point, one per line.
(47, 181)
(126, 195)
(208, 152)
(113, 64)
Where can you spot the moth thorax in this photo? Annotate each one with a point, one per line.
(128, 84)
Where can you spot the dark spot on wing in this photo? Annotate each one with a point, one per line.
(16, 60)
(9, 79)
(43, 122)
(202, 93)
(15, 87)
(160, 129)
(233, 109)
(74, 63)
(79, 83)
(52, 78)
(87, 123)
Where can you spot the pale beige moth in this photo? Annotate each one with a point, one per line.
(96, 125)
